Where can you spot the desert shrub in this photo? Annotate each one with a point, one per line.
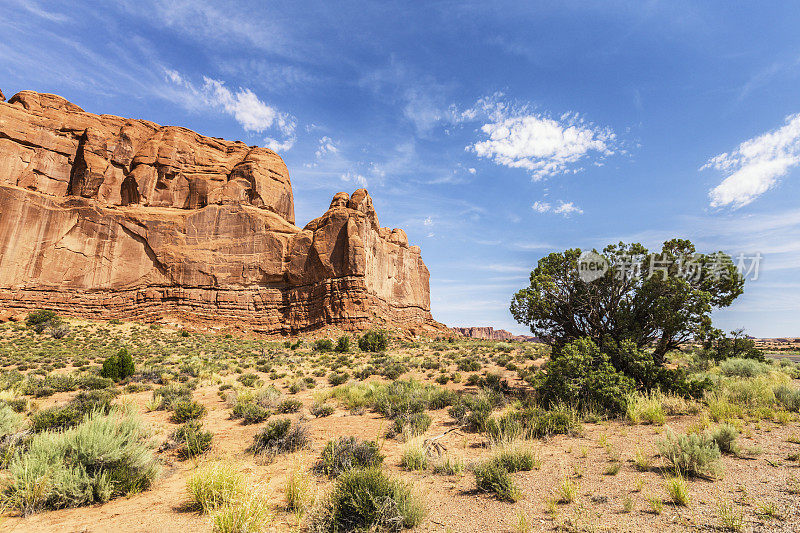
(280, 436)
(169, 395)
(248, 380)
(405, 397)
(71, 414)
(213, 485)
(322, 410)
(41, 319)
(192, 439)
(93, 382)
(18, 405)
(584, 377)
(118, 366)
(323, 345)
(448, 465)
(249, 412)
(412, 424)
(289, 405)
(468, 364)
(10, 422)
(186, 410)
(346, 453)
(788, 397)
(725, 436)
(692, 455)
(532, 422)
(374, 340)
(343, 344)
(335, 378)
(368, 500)
(491, 476)
(103, 457)
(743, 368)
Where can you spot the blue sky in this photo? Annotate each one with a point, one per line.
(492, 132)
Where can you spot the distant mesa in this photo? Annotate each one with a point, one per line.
(108, 217)
(493, 334)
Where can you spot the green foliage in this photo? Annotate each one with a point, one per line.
(719, 347)
(250, 412)
(343, 344)
(656, 304)
(582, 376)
(71, 414)
(788, 397)
(374, 340)
(725, 436)
(492, 476)
(192, 439)
(322, 410)
(323, 345)
(414, 456)
(41, 319)
(280, 436)
(743, 368)
(336, 379)
(368, 500)
(213, 485)
(691, 455)
(186, 410)
(103, 457)
(289, 405)
(532, 422)
(118, 367)
(412, 424)
(10, 422)
(347, 453)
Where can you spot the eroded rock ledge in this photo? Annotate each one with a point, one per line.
(107, 217)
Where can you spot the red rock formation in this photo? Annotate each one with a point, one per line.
(107, 217)
(490, 333)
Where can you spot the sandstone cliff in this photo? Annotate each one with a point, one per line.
(489, 333)
(107, 217)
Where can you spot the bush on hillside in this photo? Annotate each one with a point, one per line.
(346, 453)
(118, 367)
(374, 340)
(41, 319)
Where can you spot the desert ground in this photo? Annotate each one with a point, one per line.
(582, 472)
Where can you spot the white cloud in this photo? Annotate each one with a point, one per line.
(756, 165)
(326, 146)
(471, 170)
(355, 178)
(243, 105)
(563, 208)
(568, 209)
(428, 221)
(541, 207)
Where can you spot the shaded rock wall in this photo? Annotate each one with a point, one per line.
(107, 217)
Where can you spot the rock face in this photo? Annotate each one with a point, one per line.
(490, 333)
(107, 217)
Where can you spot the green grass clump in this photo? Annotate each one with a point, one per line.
(414, 456)
(192, 439)
(368, 500)
(412, 425)
(449, 466)
(691, 455)
(213, 485)
(347, 453)
(677, 490)
(248, 514)
(103, 457)
(10, 421)
(788, 397)
(249, 412)
(492, 476)
(743, 368)
(644, 409)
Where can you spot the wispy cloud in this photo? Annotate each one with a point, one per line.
(756, 165)
(243, 105)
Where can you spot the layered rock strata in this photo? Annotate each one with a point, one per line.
(107, 217)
